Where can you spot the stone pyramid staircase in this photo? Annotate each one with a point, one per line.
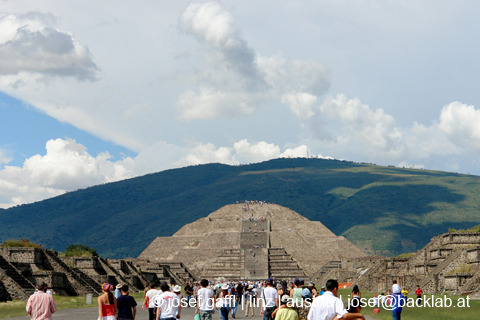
(78, 284)
(282, 265)
(428, 284)
(18, 287)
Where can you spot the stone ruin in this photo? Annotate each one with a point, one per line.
(21, 268)
(253, 241)
(450, 263)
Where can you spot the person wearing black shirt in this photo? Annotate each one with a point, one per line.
(126, 305)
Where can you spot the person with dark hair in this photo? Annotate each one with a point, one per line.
(126, 305)
(167, 303)
(107, 304)
(150, 299)
(188, 293)
(329, 307)
(145, 303)
(296, 293)
(355, 305)
(356, 292)
(286, 310)
(283, 290)
(41, 305)
(418, 293)
(205, 301)
(269, 300)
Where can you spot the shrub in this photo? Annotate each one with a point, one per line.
(473, 229)
(80, 250)
(20, 243)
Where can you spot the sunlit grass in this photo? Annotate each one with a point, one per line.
(16, 308)
(416, 313)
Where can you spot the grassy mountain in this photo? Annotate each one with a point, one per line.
(382, 210)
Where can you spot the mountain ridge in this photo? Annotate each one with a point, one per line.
(382, 210)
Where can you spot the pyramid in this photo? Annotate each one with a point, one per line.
(252, 241)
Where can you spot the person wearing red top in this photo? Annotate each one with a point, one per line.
(40, 305)
(419, 293)
(107, 304)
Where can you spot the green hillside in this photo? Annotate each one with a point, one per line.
(382, 210)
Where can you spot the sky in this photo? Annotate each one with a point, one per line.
(99, 91)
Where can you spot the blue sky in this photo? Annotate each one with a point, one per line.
(98, 92)
(25, 130)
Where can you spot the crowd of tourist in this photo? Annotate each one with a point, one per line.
(277, 300)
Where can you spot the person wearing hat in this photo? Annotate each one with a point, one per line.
(117, 291)
(322, 291)
(178, 291)
(126, 305)
(224, 301)
(249, 301)
(286, 310)
(269, 300)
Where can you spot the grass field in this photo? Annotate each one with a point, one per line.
(16, 308)
(415, 313)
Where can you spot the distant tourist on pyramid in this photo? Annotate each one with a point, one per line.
(328, 306)
(205, 301)
(107, 304)
(41, 305)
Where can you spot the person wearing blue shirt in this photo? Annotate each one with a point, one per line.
(118, 293)
(398, 302)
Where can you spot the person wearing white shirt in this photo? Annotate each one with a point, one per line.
(167, 303)
(150, 298)
(328, 306)
(269, 300)
(205, 302)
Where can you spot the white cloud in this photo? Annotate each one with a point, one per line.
(31, 43)
(68, 166)
(256, 152)
(301, 104)
(461, 125)
(298, 152)
(237, 80)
